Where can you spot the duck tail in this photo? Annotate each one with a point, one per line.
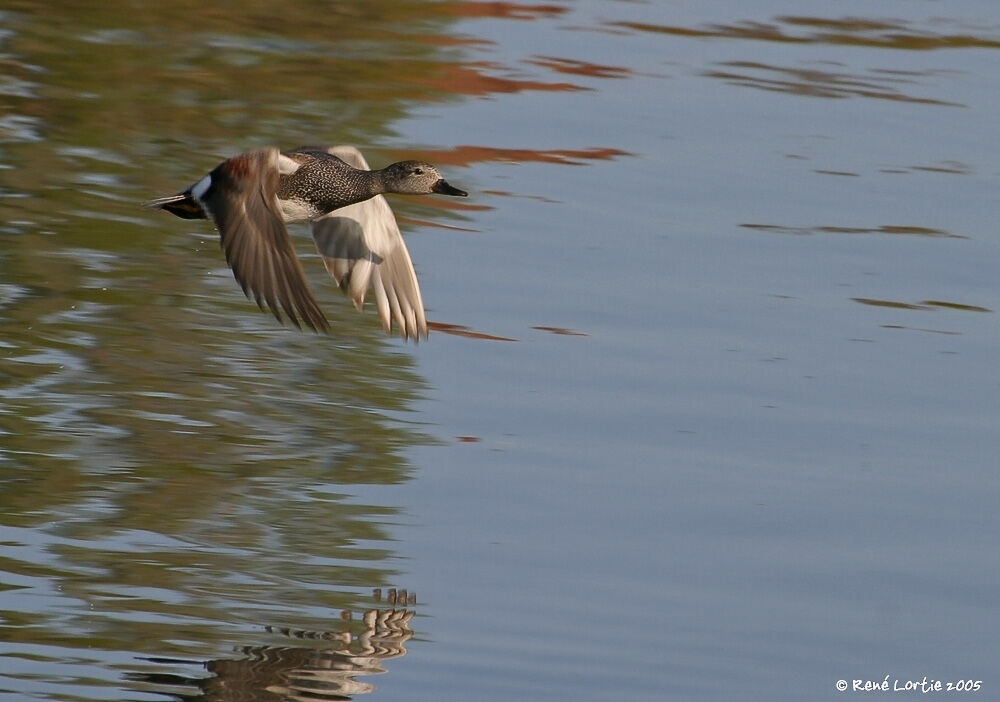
(182, 205)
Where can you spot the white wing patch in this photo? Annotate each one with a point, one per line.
(296, 210)
(199, 189)
(286, 165)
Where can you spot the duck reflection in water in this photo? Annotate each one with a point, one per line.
(304, 673)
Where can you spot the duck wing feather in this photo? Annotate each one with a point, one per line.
(363, 249)
(243, 204)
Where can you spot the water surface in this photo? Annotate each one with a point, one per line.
(710, 411)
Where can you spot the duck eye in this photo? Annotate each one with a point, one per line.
(418, 171)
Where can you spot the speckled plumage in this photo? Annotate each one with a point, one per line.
(251, 196)
(325, 182)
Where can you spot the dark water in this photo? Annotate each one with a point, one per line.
(710, 412)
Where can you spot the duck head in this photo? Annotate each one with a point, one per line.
(418, 178)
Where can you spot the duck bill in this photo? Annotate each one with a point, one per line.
(444, 188)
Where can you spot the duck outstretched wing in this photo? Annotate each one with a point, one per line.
(363, 249)
(241, 198)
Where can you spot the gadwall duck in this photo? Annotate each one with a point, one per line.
(252, 196)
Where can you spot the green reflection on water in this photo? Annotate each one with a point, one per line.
(174, 465)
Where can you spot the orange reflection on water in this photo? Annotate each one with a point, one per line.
(416, 221)
(561, 331)
(581, 68)
(822, 82)
(465, 155)
(507, 193)
(854, 31)
(923, 305)
(471, 79)
(501, 10)
(459, 330)
(894, 229)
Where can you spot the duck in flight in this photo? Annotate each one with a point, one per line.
(250, 198)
